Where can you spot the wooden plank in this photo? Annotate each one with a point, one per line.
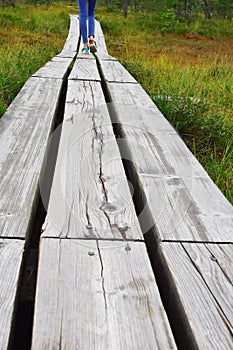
(115, 72)
(85, 70)
(222, 254)
(71, 43)
(217, 280)
(90, 197)
(191, 211)
(11, 253)
(102, 52)
(56, 68)
(24, 133)
(202, 287)
(98, 295)
(184, 202)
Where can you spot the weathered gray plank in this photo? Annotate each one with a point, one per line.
(222, 254)
(190, 210)
(56, 68)
(71, 43)
(184, 201)
(102, 51)
(24, 133)
(85, 70)
(212, 273)
(98, 296)
(202, 287)
(90, 196)
(11, 253)
(115, 72)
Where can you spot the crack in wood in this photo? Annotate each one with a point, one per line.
(226, 321)
(219, 265)
(102, 278)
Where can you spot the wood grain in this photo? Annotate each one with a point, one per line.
(24, 132)
(90, 196)
(11, 253)
(55, 68)
(216, 278)
(98, 295)
(202, 288)
(183, 201)
(188, 210)
(115, 72)
(71, 43)
(84, 70)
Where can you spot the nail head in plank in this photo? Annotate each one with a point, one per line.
(90, 196)
(208, 322)
(24, 132)
(11, 254)
(222, 255)
(84, 70)
(98, 295)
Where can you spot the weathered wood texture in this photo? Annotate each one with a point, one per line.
(56, 68)
(201, 273)
(11, 253)
(71, 44)
(98, 295)
(115, 72)
(24, 134)
(84, 70)
(184, 202)
(90, 197)
(102, 51)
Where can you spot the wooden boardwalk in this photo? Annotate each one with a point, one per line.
(135, 250)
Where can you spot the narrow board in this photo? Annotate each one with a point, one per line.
(24, 132)
(98, 295)
(90, 196)
(102, 51)
(184, 202)
(115, 72)
(205, 293)
(56, 68)
(71, 43)
(11, 254)
(84, 70)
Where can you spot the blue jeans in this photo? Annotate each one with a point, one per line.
(87, 11)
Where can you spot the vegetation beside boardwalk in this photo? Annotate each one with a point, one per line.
(184, 65)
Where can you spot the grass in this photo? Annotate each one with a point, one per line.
(186, 68)
(187, 71)
(29, 37)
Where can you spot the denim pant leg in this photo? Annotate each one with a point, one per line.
(83, 19)
(91, 17)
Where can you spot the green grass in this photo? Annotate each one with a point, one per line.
(187, 71)
(186, 68)
(29, 37)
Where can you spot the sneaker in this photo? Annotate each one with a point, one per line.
(85, 50)
(92, 46)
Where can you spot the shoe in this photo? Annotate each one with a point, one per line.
(92, 46)
(85, 50)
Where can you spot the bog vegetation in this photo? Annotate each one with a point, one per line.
(180, 51)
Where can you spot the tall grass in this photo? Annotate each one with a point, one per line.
(187, 71)
(29, 37)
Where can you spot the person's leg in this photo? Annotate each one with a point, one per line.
(83, 20)
(91, 18)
